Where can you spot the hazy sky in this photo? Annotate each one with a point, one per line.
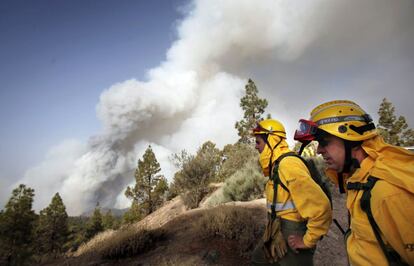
(56, 57)
(87, 86)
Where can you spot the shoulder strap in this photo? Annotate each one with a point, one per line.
(309, 165)
(276, 181)
(275, 176)
(392, 257)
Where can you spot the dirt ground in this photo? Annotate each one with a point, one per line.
(181, 247)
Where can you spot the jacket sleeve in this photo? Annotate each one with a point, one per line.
(395, 218)
(311, 202)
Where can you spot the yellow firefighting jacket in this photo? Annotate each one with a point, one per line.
(305, 200)
(392, 201)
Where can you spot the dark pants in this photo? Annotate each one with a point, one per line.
(304, 257)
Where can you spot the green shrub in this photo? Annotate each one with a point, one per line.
(196, 172)
(244, 185)
(235, 157)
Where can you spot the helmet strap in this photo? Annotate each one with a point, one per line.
(346, 167)
(360, 130)
(350, 163)
(302, 147)
(271, 154)
(341, 182)
(348, 157)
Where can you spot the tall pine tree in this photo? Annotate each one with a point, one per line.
(95, 224)
(253, 108)
(52, 228)
(394, 130)
(147, 179)
(16, 225)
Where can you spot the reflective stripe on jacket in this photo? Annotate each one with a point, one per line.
(288, 205)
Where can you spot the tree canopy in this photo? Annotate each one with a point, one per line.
(52, 228)
(394, 130)
(253, 108)
(16, 227)
(196, 173)
(95, 224)
(150, 186)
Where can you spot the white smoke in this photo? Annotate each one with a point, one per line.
(291, 49)
(48, 177)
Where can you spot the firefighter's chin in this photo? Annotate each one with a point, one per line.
(330, 164)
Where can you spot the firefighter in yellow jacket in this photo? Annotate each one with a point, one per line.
(301, 211)
(378, 179)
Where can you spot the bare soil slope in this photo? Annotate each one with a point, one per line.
(181, 243)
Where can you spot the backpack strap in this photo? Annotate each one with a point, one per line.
(392, 257)
(275, 176)
(314, 175)
(309, 165)
(276, 181)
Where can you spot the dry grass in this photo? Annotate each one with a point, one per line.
(129, 240)
(95, 242)
(233, 223)
(125, 242)
(128, 243)
(224, 235)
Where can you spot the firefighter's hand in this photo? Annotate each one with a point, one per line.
(278, 247)
(296, 242)
(274, 244)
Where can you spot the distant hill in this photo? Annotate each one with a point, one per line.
(115, 212)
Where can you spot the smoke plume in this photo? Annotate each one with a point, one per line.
(299, 53)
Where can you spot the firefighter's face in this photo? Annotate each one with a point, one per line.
(260, 143)
(332, 150)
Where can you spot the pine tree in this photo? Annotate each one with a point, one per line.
(146, 179)
(253, 108)
(109, 221)
(16, 225)
(394, 131)
(160, 192)
(52, 229)
(94, 225)
(77, 232)
(133, 214)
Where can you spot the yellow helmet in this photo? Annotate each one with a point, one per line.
(344, 119)
(270, 126)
